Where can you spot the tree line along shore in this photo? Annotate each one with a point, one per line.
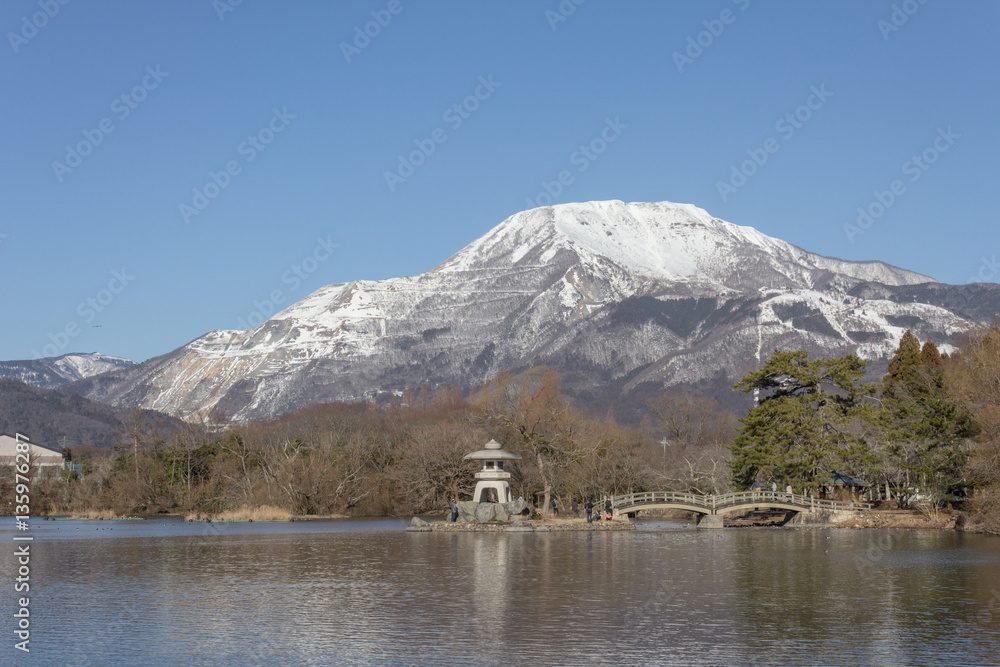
(931, 423)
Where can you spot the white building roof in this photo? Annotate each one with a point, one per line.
(40, 456)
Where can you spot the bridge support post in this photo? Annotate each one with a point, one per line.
(710, 521)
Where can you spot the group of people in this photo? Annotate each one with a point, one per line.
(587, 506)
(755, 487)
(608, 511)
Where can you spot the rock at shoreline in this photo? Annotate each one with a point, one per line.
(485, 512)
(520, 527)
(418, 525)
(516, 507)
(467, 511)
(470, 511)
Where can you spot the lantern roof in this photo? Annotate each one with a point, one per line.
(493, 451)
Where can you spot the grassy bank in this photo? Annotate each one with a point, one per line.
(262, 513)
(906, 519)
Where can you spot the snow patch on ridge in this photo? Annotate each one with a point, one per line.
(656, 292)
(664, 241)
(77, 366)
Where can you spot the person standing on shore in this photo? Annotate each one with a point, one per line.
(576, 509)
(589, 506)
(608, 510)
(454, 511)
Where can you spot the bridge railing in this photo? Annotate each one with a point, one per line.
(801, 500)
(657, 497)
(712, 503)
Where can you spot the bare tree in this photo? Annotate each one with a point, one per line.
(695, 433)
(527, 412)
(431, 471)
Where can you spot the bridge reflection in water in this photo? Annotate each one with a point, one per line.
(712, 506)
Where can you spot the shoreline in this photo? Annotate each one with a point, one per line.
(878, 519)
(418, 525)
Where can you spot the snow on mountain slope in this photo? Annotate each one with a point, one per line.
(51, 372)
(664, 241)
(614, 295)
(77, 366)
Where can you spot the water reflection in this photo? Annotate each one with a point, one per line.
(491, 579)
(366, 593)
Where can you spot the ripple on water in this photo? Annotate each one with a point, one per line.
(366, 593)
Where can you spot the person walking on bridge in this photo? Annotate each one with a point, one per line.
(774, 490)
(788, 492)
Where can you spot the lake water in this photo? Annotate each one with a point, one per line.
(165, 592)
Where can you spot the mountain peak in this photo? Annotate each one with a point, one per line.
(619, 297)
(50, 372)
(663, 241)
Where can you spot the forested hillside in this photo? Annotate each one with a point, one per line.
(56, 420)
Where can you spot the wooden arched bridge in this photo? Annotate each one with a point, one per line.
(717, 505)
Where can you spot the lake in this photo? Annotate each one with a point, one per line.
(357, 592)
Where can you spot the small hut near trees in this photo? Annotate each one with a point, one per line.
(841, 486)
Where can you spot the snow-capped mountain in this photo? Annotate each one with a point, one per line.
(51, 372)
(621, 298)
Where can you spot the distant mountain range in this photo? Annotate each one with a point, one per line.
(52, 372)
(624, 299)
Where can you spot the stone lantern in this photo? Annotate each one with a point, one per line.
(491, 474)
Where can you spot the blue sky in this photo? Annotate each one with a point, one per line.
(169, 167)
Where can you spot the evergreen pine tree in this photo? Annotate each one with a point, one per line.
(905, 368)
(801, 428)
(928, 430)
(931, 357)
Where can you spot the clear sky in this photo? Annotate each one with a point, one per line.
(169, 167)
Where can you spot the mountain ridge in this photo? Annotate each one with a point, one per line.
(611, 294)
(52, 372)
(686, 221)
